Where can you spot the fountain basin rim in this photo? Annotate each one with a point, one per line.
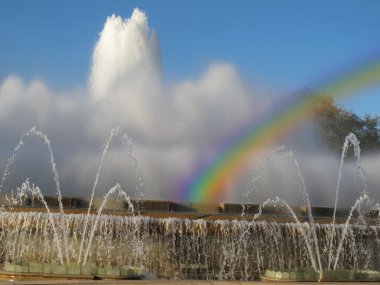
(327, 275)
(185, 215)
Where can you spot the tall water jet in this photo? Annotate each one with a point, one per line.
(116, 189)
(45, 140)
(126, 55)
(357, 204)
(302, 187)
(125, 140)
(350, 139)
(314, 259)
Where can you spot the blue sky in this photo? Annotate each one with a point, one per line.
(281, 45)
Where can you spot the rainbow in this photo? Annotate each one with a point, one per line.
(213, 174)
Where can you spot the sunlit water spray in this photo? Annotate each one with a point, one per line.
(350, 139)
(250, 189)
(125, 140)
(34, 191)
(358, 203)
(116, 189)
(34, 132)
(27, 190)
(183, 248)
(303, 189)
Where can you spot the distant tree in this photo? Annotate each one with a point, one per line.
(333, 124)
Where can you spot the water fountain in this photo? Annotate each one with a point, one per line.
(272, 240)
(63, 257)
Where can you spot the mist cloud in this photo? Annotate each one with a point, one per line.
(170, 126)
